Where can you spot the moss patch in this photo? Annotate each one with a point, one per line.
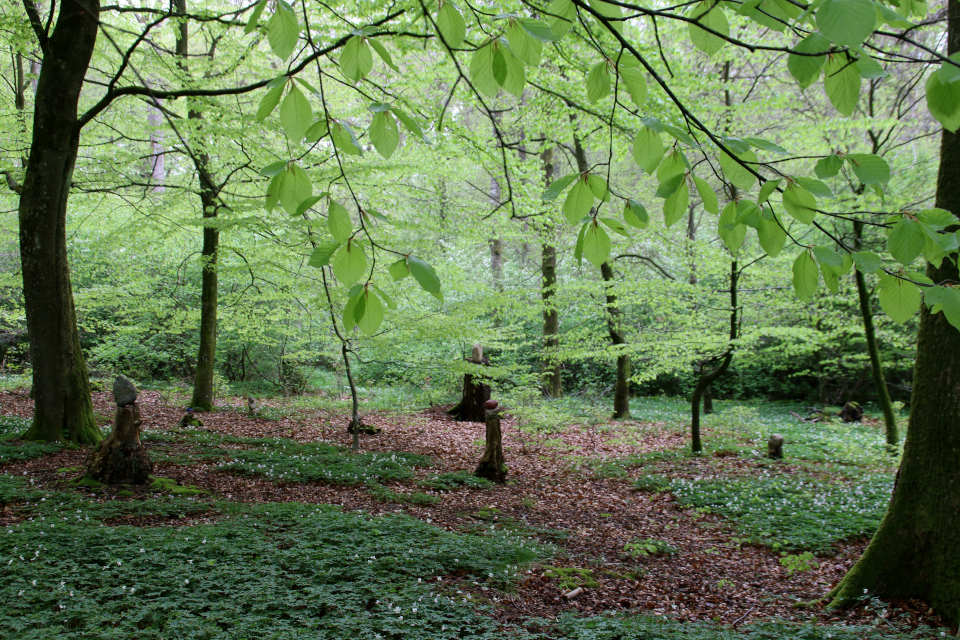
(169, 485)
(569, 578)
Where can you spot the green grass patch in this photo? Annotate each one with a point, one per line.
(384, 494)
(792, 512)
(11, 448)
(287, 461)
(282, 571)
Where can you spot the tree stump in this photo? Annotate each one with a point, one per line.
(851, 412)
(775, 446)
(121, 458)
(471, 407)
(492, 465)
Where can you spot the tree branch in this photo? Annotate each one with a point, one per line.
(36, 23)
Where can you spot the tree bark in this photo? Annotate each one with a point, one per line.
(207, 353)
(492, 465)
(472, 405)
(552, 382)
(870, 334)
(915, 552)
(62, 407)
(706, 379)
(621, 390)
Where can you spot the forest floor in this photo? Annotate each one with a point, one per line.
(612, 500)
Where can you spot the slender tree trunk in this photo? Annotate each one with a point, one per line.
(62, 406)
(915, 552)
(207, 354)
(552, 383)
(706, 379)
(355, 399)
(876, 367)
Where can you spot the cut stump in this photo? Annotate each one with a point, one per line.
(121, 458)
(492, 465)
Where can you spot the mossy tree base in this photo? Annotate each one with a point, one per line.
(121, 458)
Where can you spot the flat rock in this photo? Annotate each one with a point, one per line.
(124, 391)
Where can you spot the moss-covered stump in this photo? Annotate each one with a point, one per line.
(121, 458)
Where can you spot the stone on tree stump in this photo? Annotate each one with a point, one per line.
(124, 391)
(775, 446)
(121, 458)
(851, 412)
(492, 465)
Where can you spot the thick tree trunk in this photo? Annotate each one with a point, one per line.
(472, 405)
(492, 465)
(63, 410)
(552, 382)
(121, 458)
(915, 552)
(621, 390)
(706, 379)
(883, 394)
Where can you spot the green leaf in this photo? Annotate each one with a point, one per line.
(748, 213)
(847, 22)
(767, 189)
(828, 166)
(936, 219)
(868, 67)
(561, 15)
(830, 277)
(304, 206)
(736, 173)
(515, 78)
(950, 299)
(321, 255)
(578, 202)
(499, 64)
(932, 252)
(647, 149)
(410, 124)
(372, 313)
(806, 276)
(349, 313)
(557, 186)
(617, 226)
(578, 248)
(295, 188)
(707, 195)
(451, 24)
(596, 244)
(766, 145)
(283, 31)
(356, 60)
(349, 263)
(815, 187)
(255, 17)
(950, 71)
(826, 255)
(598, 82)
(869, 168)
(612, 12)
(799, 203)
(425, 276)
(384, 134)
(669, 187)
(338, 222)
(525, 47)
(842, 82)
(344, 139)
(680, 135)
(771, 234)
(317, 130)
(296, 115)
(387, 299)
(899, 299)
(481, 71)
(269, 102)
(636, 84)
(399, 269)
(709, 15)
(274, 168)
(866, 261)
(273, 189)
(906, 241)
(599, 187)
(943, 101)
(676, 204)
(806, 68)
(674, 164)
(538, 29)
(730, 231)
(383, 53)
(635, 214)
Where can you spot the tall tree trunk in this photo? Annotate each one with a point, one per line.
(552, 383)
(62, 406)
(876, 367)
(621, 391)
(706, 379)
(207, 355)
(915, 552)
(496, 244)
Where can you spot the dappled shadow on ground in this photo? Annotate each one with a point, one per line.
(553, 492)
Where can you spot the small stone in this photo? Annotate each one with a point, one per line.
(124, 391)
(775, 446)
(492, 404)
